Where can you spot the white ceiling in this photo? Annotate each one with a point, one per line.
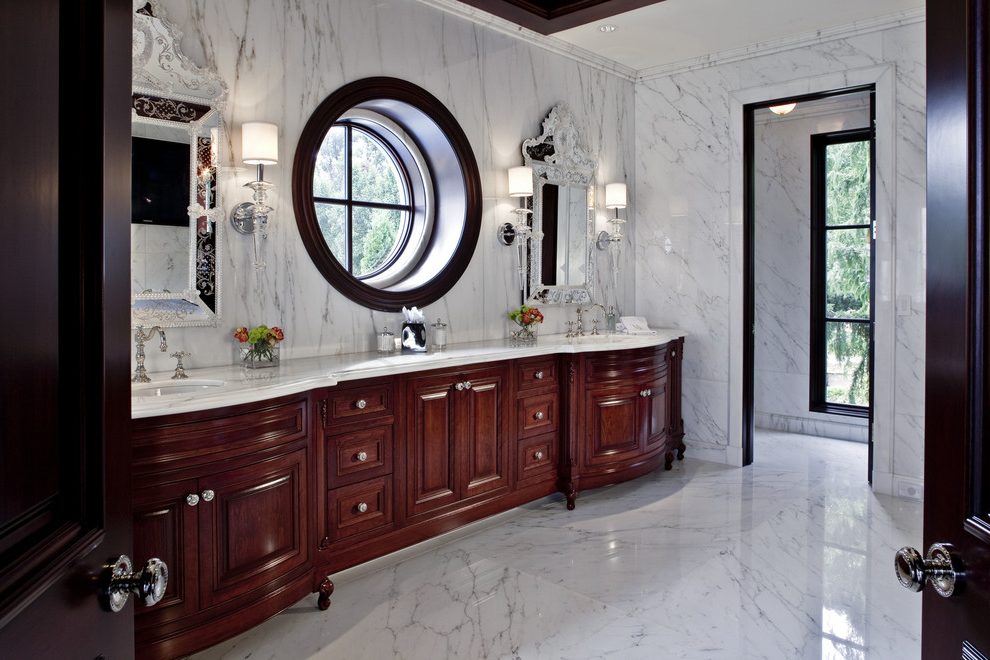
(679, 30)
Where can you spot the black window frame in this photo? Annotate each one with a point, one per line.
(819, 230)
(349, 203)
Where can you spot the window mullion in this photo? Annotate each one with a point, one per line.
(348, 216)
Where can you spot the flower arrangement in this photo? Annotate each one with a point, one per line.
(528, 319)
(262, 345)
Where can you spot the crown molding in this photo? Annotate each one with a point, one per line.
(769, 47)
(548, 43)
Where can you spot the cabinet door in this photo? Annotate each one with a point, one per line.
(484, 456)
(613, 424)
(165, 527)
(430, 442)
(656, 414)
(256, 527)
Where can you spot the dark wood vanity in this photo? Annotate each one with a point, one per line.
(252, 506)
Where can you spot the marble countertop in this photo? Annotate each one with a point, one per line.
(300, 375)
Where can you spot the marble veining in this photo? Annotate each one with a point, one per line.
(790, 557)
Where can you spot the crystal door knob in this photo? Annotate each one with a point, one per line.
(643, 393)
(117, 582)
(538, 375)
(538, 455)
(940, 568)
(539, 415)
(361, 404)
(208, 495)
(192, 499)
(362, 507)
(459, 387)
(362, 456)
(467, 384)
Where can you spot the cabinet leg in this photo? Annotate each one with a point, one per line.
(326, 588)
(571, 497)
(680, 449)
(668, 460)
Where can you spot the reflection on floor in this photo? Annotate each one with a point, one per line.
(788, 558)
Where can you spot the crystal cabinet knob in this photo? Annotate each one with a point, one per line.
(643, 393)
(538, 455)
(208, 495)
(940, 569)
(538, 375)
(361, 404)
(467, 384)
(362, 507)
(117, 582)
(361, 456)
(459, 387)
(539, 415)
(192, 499)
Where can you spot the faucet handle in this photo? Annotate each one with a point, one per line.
(180, 371)
(594, 327)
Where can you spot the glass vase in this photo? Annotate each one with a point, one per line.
(526, 334)
(257, 357)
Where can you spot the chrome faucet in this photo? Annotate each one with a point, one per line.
(140, 336)
(590, 308)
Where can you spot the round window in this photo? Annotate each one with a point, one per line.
(386, 194)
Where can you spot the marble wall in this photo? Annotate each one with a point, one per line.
(781, 361)
(280, 60)
(689, 189)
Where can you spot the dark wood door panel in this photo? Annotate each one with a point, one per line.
(485, 457)
(656, 415)
(359, 508)
(165, 526)
(432, 480)
(613, 425)
(255, 529)
(359, 455)
(536, 415)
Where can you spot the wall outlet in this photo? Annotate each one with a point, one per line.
(910, 490)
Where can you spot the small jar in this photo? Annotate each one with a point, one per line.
(386, 341)
(439, 335)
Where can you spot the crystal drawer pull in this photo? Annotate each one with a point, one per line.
(361, 404)
(208, 495)
(538, 455)
(362, 507)
(361, 456)
(538, 375)
(539, 415)
(192, 499)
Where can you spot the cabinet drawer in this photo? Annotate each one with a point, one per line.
(537, 414)
(535, 374)
(626, 365)
(359, 455)
(360, 507)
(360, 402)
(536, 458)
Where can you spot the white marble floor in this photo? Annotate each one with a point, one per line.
(788, 558)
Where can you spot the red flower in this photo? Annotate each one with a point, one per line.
(277, 331)
(241, 334)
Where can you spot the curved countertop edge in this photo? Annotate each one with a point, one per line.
(304, 374)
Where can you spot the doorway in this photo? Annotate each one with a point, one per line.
(809, 269)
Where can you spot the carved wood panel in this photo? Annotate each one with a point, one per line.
(613, 424)
(485, 461)
(430, 440)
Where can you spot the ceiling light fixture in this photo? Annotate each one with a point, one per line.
(782, 109)
(606, 27)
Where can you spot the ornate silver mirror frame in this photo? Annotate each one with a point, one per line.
(558, 158)
(172, 96)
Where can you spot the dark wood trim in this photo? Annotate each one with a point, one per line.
(328, 112)
(549, 16)
(819, 230)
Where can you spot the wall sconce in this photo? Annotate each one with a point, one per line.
(520, 185)
(781, 110)
(615, 198)
(259, 146)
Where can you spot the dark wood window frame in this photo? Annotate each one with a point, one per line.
(819, 232)
(348, 201)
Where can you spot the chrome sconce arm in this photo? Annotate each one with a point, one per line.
(259, 146)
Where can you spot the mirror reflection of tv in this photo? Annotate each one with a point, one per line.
(159, 182)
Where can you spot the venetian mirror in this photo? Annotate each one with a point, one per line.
(176, 214)
(562, 251)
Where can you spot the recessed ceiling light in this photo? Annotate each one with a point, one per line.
(606, 27)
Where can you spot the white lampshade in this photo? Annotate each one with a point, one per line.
(782, 109)
(615, 196)
(259, 143)
(520, 181)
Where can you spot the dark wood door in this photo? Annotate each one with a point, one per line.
(253, 526)
(481, 444)
(655, 416)
(64, 389)
(957, 453)
(613, 427)
(431, 479)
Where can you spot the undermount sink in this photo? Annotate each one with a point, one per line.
(175, 387)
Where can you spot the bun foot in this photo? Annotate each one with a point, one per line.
(680, 453)
(571, 500)
(668, 460)
(326, 588)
